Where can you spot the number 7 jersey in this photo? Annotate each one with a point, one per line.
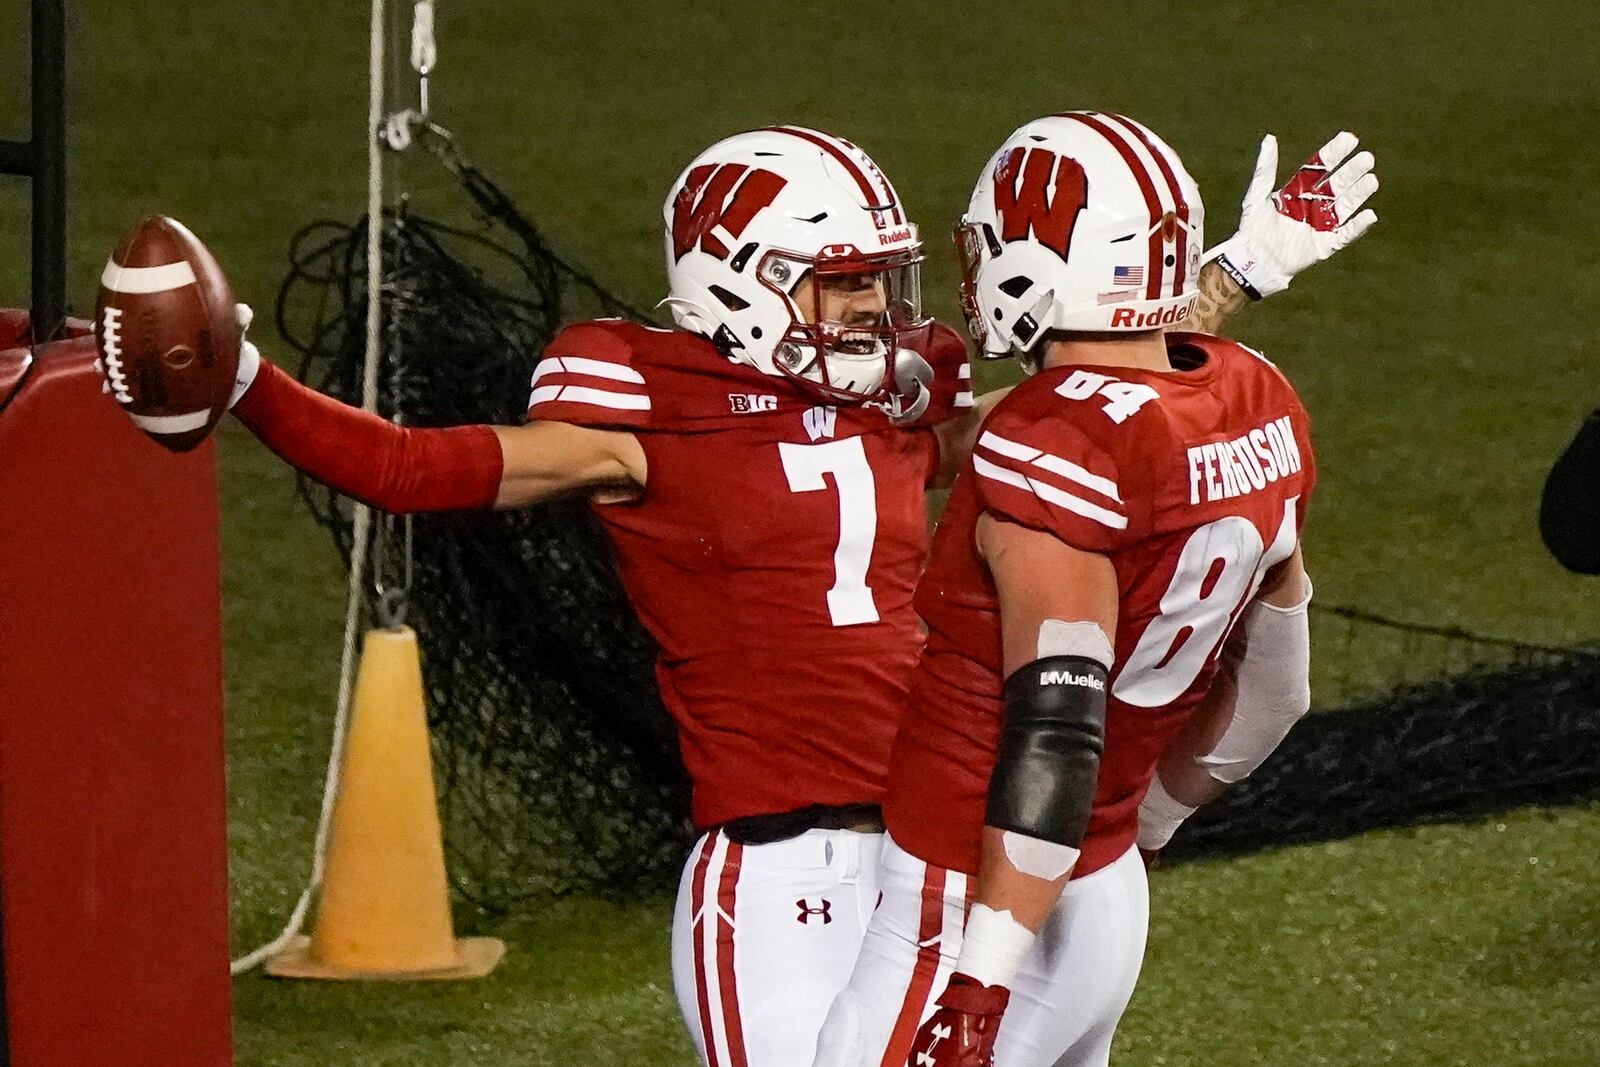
(1193, 482)
(773, 556)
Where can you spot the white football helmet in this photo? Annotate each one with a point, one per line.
(1082, 222)
(758, 217)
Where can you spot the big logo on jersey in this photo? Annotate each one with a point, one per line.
(1046, 201)
(712, 197)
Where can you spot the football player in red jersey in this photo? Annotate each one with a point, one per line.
(1137, 498)
(760, 474)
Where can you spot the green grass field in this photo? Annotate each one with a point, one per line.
(1445, 360)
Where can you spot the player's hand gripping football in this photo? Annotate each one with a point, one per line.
(961, 1031)
(1318, 211)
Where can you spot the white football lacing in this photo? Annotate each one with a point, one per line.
(111, 344)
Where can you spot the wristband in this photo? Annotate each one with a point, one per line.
(1246, 270)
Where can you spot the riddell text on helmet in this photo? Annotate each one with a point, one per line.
(1151, 319)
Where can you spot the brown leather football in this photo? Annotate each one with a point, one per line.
(167, 333)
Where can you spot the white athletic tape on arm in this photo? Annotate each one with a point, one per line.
(1038, 858)
(1274, 689)
(1086, 639)
(993, 946)
(1160, 815)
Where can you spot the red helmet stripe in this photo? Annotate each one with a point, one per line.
(1146, 186)
(885, 196)
(1182, 249)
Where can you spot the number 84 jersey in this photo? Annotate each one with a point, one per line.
(1193, 482)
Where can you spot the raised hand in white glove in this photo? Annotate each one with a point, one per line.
(1317, 212)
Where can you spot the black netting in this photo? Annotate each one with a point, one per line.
(1490, 725)
(556, 762)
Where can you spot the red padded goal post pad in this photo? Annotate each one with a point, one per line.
(113, 862)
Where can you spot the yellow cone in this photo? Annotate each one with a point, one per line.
(384, 911)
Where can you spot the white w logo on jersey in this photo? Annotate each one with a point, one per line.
(819, 421)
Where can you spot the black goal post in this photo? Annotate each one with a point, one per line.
(43, 159)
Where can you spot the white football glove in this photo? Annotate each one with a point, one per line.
(249, 358)
(1317, 212)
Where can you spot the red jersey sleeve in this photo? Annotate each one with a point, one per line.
(589, 377)
(1036, 467)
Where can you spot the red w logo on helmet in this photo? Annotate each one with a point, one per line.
(1046, 202)
(703, 205)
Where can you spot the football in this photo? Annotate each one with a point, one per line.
(167, 333)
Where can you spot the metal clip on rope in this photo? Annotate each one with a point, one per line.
(399, 128)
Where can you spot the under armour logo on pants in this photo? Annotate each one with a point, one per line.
(806, 911)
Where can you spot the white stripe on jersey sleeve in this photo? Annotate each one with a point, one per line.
(1067, 469)
(605, 398)
(1008, 448)
(1077, 505)
(1000, 474)
(593, 368)
(1050, 494)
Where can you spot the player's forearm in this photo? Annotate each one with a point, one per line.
(1179, 771)
(1260, 692)
(1040, 797)
(1027, 895)
(1219, 300)
(1019, 881)
(356, 453)
(1182, 784)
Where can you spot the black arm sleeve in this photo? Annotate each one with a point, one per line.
(1569, 514)
(1049, 754)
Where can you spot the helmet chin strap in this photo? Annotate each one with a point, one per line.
(1032, 359)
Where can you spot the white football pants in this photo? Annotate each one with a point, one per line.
(1065, 1001)
(764, 937)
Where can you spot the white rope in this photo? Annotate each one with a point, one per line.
(363, 516)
